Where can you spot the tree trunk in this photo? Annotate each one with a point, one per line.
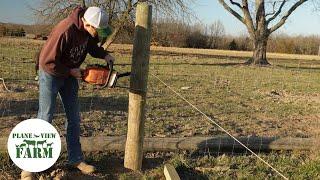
(259, 52)
(260, 36)
(111, 38)
(319, 51)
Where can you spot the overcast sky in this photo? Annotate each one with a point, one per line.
(304, 20)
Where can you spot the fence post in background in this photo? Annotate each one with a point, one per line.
(319, 51)
(138, 87)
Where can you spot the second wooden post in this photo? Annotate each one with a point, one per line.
(138, 87)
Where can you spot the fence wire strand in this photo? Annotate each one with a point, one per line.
(224, 130)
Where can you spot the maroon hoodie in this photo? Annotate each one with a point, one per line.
(68, 45)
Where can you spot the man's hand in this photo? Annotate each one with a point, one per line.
(75, 72)
(109, 59)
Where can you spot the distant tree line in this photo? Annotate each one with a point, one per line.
(173, 33)
(19, 32)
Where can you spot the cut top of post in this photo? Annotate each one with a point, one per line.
(143, 18)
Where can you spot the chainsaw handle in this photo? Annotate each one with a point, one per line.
(110, 65)
(83, 73)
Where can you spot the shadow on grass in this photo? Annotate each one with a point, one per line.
(190, 173)
(108, 166)
(87, 104)
(111, 166)
(196, 64)
(297, 68)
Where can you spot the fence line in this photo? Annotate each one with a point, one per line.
(224, 130)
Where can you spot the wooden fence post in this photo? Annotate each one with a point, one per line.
(138, 87)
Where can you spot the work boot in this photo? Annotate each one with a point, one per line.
(85, 168)
(26, 175)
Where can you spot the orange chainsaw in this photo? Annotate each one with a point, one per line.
(103, 76)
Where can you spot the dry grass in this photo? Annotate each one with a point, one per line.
(182, 51)
(281, 100)
(218, 53)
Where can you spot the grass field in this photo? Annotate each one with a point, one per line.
(281, 100)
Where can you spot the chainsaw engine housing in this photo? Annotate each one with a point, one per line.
(101, 75)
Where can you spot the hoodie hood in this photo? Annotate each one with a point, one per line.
(76, 16)
(68, 45)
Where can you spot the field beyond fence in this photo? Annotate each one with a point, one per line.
(277, 101)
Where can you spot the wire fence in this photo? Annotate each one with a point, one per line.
(188, 96)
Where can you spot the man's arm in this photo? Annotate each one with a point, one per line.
(94, 50)
(98, 52)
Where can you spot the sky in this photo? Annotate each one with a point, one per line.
(304, 20)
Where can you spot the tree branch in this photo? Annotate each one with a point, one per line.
(285, 17)
(121, 22)
(278, 12)
(248, 18)
(273, 9)
(235, 3)
(233, 12)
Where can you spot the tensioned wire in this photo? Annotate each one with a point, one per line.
(211, 120)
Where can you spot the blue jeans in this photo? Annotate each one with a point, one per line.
(49, 87)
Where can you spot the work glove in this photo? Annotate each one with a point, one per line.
(109, 59)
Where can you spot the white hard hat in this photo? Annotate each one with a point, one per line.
(96, 17)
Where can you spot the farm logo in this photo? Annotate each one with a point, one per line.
(34, 145)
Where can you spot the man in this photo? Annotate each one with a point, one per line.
(59, 62)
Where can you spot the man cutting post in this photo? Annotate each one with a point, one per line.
(59, 62)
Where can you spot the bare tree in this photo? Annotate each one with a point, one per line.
(216, 33)
(261, 18)
(121, 12)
